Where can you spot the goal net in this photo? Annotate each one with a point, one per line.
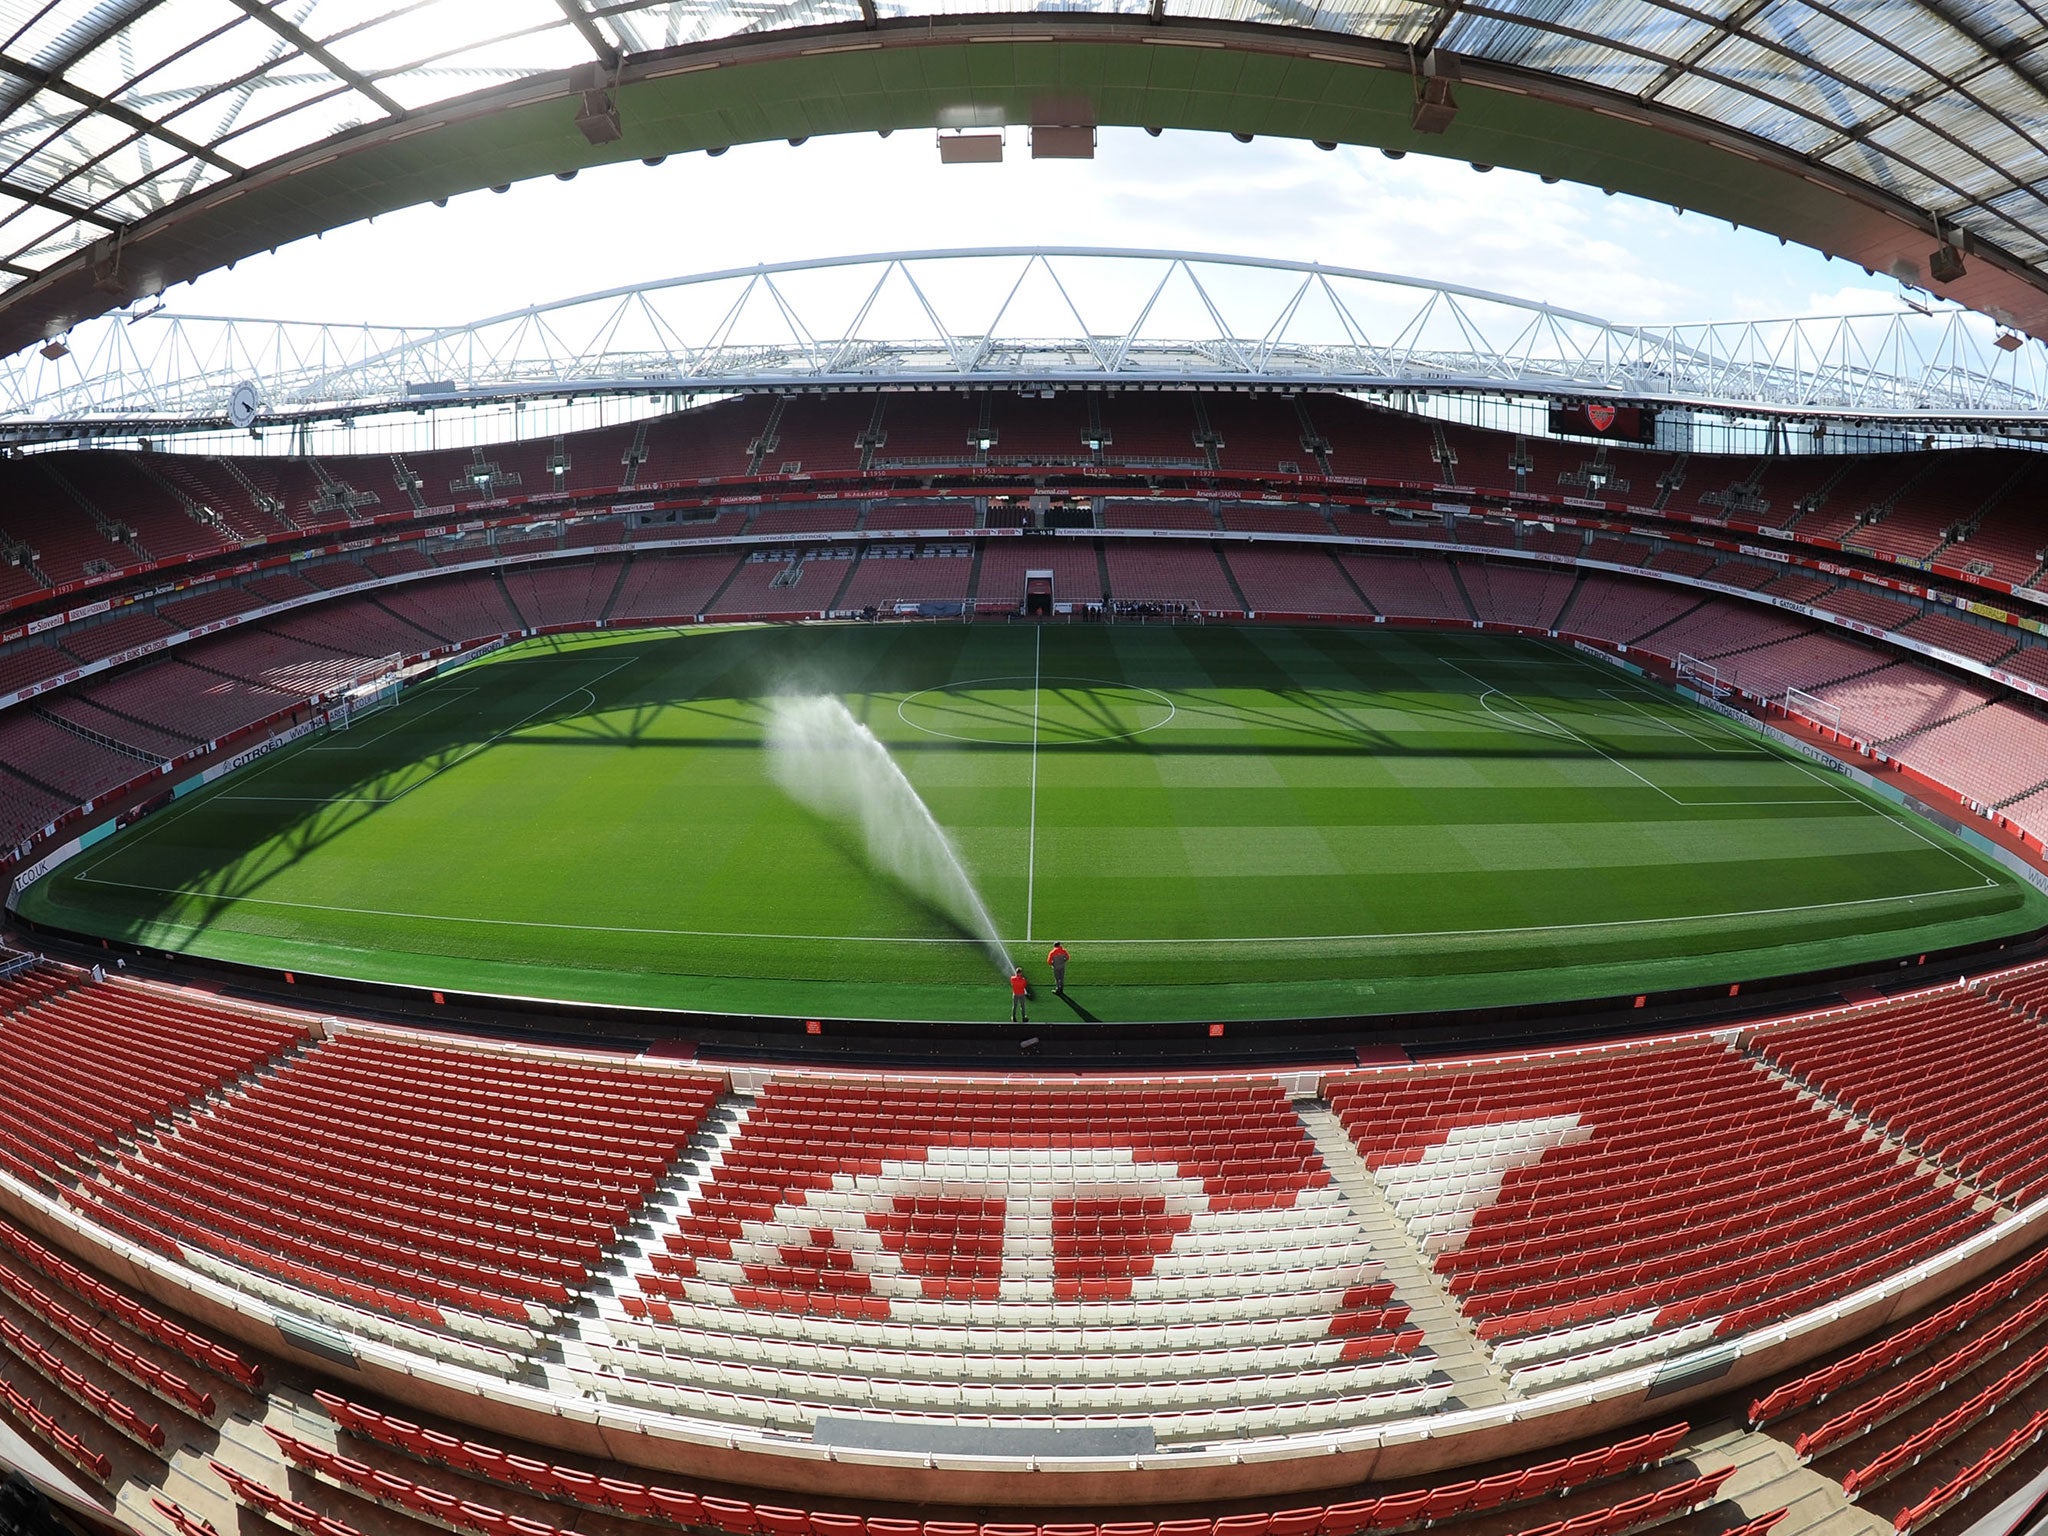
(378, 685)
(1814, 710)
(1703, 676)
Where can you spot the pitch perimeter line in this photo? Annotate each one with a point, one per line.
(855, 938)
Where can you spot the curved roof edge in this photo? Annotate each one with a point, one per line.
(1121, 71)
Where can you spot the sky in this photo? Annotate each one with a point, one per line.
(485, 253)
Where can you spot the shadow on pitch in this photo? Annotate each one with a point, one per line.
(1079, 1010)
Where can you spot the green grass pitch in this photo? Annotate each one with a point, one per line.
(1219, 822)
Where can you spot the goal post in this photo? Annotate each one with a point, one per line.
(1703, 676)
(376, 686)
(1815, 710)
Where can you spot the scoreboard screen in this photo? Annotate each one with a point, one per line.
(1623, 423)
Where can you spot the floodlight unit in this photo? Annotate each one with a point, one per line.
(1436, 106)
(1053, 142)
(970, 148)
(597, 107)
(2008, 341)
(55, 348)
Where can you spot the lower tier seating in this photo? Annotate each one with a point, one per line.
(83, 1068)
(1975, 1111)
(1613, 1205)
(466, 1180)
(450, 1472)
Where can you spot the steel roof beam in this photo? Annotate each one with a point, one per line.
(705, 333)
(323, 56)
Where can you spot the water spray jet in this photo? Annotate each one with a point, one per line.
(831, 764)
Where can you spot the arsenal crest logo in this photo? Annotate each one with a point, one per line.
(1602, 416)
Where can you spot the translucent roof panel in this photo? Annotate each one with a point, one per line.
(112, 110)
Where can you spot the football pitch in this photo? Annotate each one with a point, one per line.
(1219, 822)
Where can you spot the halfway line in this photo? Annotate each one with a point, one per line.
(1031, 840)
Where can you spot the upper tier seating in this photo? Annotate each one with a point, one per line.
(477, 1180)
(1620, 1205)
(818, 435)
(712, 443)
(928, 429)
(1149, 429)
(1259, 434)
(1170, 1252)
(210, 485)
(1967, 508)
(123, 488)
(1930, 506)
(94, 642)
(88, 1065)
(1979, 642)
(1033, 431)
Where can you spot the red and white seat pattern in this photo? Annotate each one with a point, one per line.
(1166, 1251)
(1613, 1205)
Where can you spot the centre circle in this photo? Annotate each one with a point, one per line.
(1052, 710)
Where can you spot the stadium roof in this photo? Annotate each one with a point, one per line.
(143, 142)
